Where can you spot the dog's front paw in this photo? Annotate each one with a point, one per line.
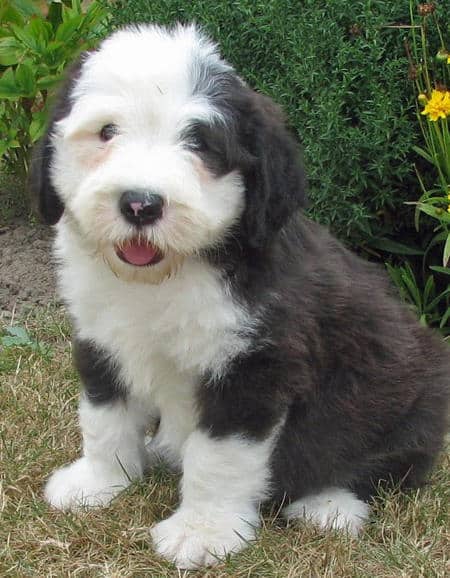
(190, 540)
(84, 484)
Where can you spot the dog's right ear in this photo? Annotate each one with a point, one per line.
(49, 204)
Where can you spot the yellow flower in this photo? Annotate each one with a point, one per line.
(448, 59)
(438, 106)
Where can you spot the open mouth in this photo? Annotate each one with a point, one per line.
(139, 253)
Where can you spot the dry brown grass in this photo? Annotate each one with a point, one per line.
(407, 537)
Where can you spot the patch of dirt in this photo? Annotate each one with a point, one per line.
(27, 276)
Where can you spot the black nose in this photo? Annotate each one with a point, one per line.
(141, 207)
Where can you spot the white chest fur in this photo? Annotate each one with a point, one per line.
(163, 335)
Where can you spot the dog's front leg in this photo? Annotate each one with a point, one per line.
(224, 480)
(113, 427)
(226, 466)
(113, 455)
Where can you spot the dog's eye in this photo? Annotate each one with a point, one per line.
(197, 143)
(195, 139)
(108, 132)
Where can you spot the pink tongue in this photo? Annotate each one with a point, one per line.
(138, 254)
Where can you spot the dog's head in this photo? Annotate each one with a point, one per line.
(157, 150)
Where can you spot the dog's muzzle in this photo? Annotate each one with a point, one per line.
(140, 209)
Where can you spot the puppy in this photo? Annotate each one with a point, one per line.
(272, 362)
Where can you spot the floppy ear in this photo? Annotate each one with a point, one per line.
(49, 204)
(275, 183)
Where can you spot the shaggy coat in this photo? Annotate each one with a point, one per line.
(273, 362)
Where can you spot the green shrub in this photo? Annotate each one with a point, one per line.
(427, 287)
(34, 50)
(341, 74)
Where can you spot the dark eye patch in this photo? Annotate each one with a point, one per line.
(108, 131)
(196, 137)
(211, 143)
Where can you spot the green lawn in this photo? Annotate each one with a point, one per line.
(407, 536)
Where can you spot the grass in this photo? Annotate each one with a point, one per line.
(407, 535)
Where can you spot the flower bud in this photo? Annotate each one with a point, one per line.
(442, 55)
(422, 98)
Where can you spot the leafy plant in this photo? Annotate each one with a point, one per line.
(431, 78)
(427, 302)
(35, 47)
(426, 287)
(18, 336)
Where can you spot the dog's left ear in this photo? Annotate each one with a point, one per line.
(49, 204)
(275, 182)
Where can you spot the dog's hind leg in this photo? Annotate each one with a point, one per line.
(113, 455)
(332, 508)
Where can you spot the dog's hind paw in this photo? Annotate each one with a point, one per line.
(333, 508)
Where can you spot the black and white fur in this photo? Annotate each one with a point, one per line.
(276, 364)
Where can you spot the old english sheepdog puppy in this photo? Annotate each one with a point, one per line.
(271, 362)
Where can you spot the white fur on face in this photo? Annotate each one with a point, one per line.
(143, 81)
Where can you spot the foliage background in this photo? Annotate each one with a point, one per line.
(37, 42)
(341, 75)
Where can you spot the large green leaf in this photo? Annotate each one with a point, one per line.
(445, 270)
(429, 289)
(48, 81)
(25, 79)
(67, 29)
(437, 299)
(8, 86)
(26, 38)
(425, 154)
(55, 54)
(410, 282)
(25, 7)
(393, 246)
(10, 15)
(10, 51)
(435, 212)
(445, 318)
(41, 31)
(37, 125)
